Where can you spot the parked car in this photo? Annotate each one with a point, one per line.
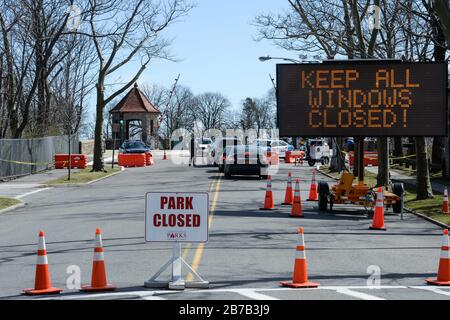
(275, 145)
(217, 151)
(203, 145)
(246, 160)
(134, 146)
(318, 151)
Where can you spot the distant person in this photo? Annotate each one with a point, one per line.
(192, 156)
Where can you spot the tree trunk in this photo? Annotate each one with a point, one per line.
(337, 161)
(70, 158)
(334, 166)
(383, 162)
(438, 150)
(424, 190)
(98, 164)
(356, 156)
(398, 147)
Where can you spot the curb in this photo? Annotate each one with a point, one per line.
(443, 225)
(21, 204)
(122, 168)
(63, 185)
(326, 174)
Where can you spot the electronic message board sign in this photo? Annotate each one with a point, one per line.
(382, 98)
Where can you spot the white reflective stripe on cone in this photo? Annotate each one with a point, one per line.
(99, 256)
(445, 254)
(41, 245)
(301, 240)
(42, 259)
(300, 254)
(445, 241)
(98, 241)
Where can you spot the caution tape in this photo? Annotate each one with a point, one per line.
(404, 157)
(27, 163)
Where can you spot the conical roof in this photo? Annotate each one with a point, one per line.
(135, 101)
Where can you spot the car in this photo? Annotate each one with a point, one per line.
(134, 146)
(246, 160)
(203, 145)
(276, 145)
(217, 151)
(318, 151)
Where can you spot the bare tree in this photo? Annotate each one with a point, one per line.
(179, 112)
(70, 88)
(123, 32)
(210, 110)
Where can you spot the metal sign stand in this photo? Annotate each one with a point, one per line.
(177, 282)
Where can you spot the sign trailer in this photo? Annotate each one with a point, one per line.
(176, 217)
(358, 98)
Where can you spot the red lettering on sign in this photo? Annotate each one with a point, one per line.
(157, 220)
(172, 203)
(163, 202)
(177, 203)
(196, 222)
(176, 220)
(189, 203)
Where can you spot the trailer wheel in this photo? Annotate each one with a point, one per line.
(311, 162)
(324, 191)
(399, 190)
(325, 161)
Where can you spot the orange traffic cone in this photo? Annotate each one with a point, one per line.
(443, 277)
(378, 216)
(313, 196)
(445, 202)
(268, 200)
(42, 283)
(289, 195)
(296, 210)
(98, 281)
(300, 276)
(165, 156)
(152, 162)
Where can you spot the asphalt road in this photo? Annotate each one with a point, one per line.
(249, 250)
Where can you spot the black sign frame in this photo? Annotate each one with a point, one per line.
(300, 132)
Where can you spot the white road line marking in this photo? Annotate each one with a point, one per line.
(432, 289)
(252, 294)
(359, 295)
(19, 185)
(30, 193)
(147, 295)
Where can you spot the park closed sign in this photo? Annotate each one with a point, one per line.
(363, 98)
(176, 217)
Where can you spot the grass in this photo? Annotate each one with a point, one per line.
(7, 202)
(84, 176)
(429, 207)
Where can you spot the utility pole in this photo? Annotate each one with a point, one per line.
(167, 104)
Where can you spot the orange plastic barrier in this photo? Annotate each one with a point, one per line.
(77, 161)
(132, 159)
(273, 157)
(370, 158)
(291, 156)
